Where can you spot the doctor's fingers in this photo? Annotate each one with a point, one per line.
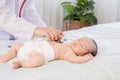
(54, 33)
(49, 34)
(61, 35)
(52, 36)
(58, 34)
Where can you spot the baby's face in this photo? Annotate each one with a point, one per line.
(82, 46)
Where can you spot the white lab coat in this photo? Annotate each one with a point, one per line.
(21, 27)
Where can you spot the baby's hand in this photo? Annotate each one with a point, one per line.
(88, 57)
(81, 59)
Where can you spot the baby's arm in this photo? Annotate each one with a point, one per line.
(11, 53)
(80, 59)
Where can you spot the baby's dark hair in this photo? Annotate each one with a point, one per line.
(94, 52)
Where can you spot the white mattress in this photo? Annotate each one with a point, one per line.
(105, 66)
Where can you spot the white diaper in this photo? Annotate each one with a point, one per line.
(41, 46)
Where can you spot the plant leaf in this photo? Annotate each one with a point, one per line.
(68, 7)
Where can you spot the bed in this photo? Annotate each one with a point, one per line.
(105, 66)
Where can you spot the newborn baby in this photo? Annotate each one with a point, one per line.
(35, 53)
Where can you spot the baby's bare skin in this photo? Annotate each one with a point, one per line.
(76, 52)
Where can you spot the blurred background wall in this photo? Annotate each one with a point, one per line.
(52, 13)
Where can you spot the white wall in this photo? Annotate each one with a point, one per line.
(52, 13)
(107, 10)
(118, 10)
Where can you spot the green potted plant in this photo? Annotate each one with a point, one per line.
(81, 11)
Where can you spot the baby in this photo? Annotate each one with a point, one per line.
(36, 53)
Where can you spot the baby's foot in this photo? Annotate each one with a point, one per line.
(16, 65)
(3, 59)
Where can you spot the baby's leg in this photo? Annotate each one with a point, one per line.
(11, 53)
(35, 60)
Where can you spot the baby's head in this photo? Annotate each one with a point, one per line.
(84, 46)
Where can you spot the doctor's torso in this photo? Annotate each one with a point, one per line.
(10, 10)
(14, 7)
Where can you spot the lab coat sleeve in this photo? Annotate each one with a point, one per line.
(30, 14)
(16, 26)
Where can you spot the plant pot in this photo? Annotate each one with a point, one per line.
(74, 24)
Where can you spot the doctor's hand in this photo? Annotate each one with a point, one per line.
(49, 32)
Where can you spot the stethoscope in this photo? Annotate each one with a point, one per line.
(20, 11)
(21, 8)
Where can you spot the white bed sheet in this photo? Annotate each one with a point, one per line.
(105, 66)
